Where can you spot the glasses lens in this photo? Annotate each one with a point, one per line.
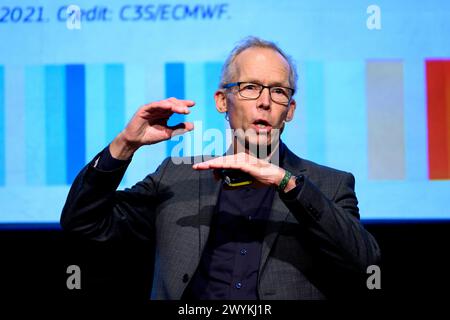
(250, 90)
(280, 94)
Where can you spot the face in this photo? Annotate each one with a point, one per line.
(257, 118)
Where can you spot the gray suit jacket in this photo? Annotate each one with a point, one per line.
(314, 247)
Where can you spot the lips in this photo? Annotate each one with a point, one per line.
(261, 125)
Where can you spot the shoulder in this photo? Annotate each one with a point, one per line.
(320, 169)
(318, 173)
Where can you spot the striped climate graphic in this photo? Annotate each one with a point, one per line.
(57, 117)
(353, 117)
(361, 116)
(47, 128)
(438, 109)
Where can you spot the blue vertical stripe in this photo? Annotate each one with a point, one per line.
(212, 78)
(195, 90)
(75, 120)
(95, 110)
(174, 76)
(213, 119)
(2, 127)
(345, 117)
(416, 144)
(294, 133)
(55, 101)
(34, 125)
(114, 100)
(315, 111)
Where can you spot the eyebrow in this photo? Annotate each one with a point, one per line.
(272, 84)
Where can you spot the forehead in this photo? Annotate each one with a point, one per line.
(262, 64)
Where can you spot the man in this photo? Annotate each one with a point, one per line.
(292, 233)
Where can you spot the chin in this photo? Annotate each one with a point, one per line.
(259, 145)
(262, 140)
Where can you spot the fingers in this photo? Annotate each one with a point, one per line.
(218, 165)
(181, 128)
(235, 161)
(165, 108)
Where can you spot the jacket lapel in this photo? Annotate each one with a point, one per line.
(209, 189)
(279, 211)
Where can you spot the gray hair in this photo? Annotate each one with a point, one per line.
(255, 42)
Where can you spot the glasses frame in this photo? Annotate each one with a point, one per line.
(238, 84)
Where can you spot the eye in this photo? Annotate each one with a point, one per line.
(279, 90)
(250, 87)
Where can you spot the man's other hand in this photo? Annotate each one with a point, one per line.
(264, 172)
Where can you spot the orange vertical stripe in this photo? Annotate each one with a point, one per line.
(438, 109)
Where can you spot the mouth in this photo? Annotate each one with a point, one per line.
(261, 125)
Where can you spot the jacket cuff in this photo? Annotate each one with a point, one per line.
(300, 199)
(105, 170)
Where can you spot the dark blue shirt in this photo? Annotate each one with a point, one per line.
(230, 262)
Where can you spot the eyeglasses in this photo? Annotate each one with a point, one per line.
(252, 91)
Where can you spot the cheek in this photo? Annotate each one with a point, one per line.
(238, 114)
(281, 117)
(236, 119)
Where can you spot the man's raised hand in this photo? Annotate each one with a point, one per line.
(149, 126)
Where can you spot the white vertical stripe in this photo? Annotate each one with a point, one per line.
(155, 90)
(143, 84)
(35, 125)
(385, 119)
(134, 99)
(14, 126)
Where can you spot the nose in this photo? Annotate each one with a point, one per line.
(264, 99)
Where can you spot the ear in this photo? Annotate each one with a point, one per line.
(221, 101)
(290, 113)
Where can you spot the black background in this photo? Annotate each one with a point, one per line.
(34, 263)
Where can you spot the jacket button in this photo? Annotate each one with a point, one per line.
(185, 278)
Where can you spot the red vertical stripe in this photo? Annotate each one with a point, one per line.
(438, 109)
(447, 115)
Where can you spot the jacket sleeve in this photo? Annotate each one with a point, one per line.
(95, 210)
(333, 224)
